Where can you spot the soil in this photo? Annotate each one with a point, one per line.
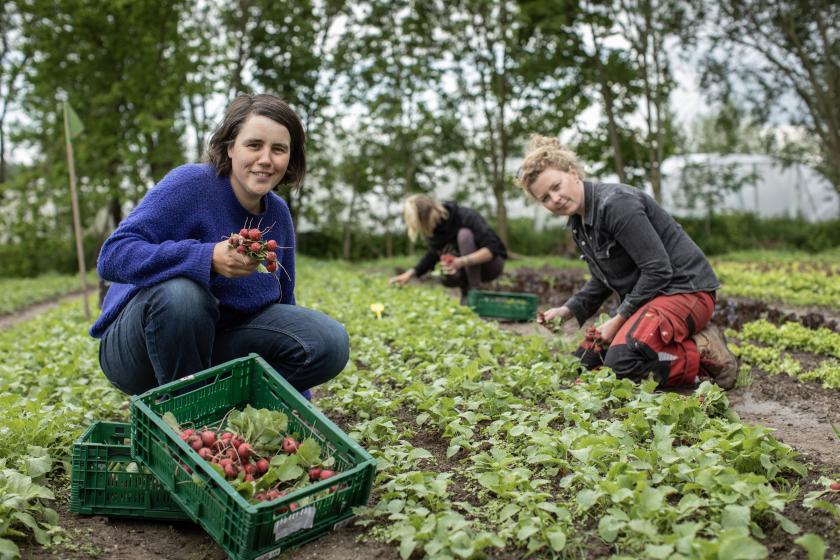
(799, 413)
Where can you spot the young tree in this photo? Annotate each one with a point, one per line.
(783, 56)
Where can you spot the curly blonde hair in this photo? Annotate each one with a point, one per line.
(422, 215)
(545, 152)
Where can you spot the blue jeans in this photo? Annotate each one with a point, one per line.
(177, 328)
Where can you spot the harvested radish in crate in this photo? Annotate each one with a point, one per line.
(256, 453)
(249, 459)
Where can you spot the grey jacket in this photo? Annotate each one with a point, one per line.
(635, 249)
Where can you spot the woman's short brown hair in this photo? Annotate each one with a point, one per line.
(265, 105)
(544, 152)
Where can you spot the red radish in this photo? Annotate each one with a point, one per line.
(227, 435)
(245, 450)
(835, 486)
(188, 432)
(289, 445)
(578, 381)
(225, 462)
(314, 473)
(195, 442)
(231, 471)
(271, 244)
(255, 247)
(271, 256)
(259, 497)
(236, 441)
(249, 478)
(184, 437)
(333, 489)
(251, 468)
(208, 437)
(231, 454)
(241, 249)
(243, 232)
(293, 506)
(205, 453)
(262, 466)
(326, 473)
(254, 234)
(272, 266)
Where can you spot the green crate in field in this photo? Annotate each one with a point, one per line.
(503, 305)
(245, 530)
(105, 480)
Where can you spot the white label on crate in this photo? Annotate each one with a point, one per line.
(270, 554)
(303, 519)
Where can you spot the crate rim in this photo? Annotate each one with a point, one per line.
(222, 482)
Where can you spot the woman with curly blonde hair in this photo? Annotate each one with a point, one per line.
(635, 249)
(469, 251)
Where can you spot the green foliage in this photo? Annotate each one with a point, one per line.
(21, 293)
(50, 377)
(721, 234)
(796, 283)
(539, 454)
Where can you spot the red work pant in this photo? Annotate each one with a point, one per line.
(657, 339)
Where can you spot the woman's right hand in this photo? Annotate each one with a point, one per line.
(401, 279)
(230, 264)
(555, 312)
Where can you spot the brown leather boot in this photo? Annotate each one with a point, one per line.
(716, 361)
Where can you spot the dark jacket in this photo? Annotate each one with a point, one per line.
(446, 233)
(635, 249)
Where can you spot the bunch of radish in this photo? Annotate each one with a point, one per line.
(229, 451)
(256, 454)
(252, 242)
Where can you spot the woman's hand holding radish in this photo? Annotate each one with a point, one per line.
(232, 264)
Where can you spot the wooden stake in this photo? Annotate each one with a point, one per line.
(77, 226)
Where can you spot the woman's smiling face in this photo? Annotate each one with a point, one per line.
(561, 192)
(259, 157)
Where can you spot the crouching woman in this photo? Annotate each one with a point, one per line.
(635, 249)
(469, 250)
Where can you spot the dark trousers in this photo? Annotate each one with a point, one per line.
(471, 277)
(657, 339)
(177, 328)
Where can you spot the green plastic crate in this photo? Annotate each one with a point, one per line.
(101, 485)
(242, 529)
(503, 305)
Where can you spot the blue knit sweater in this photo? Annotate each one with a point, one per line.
(172, 233)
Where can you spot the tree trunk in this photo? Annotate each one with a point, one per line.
(609, 109)
(348, 227)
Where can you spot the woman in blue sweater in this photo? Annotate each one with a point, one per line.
(181, 299)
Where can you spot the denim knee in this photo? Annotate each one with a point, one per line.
(330, 351)
(183, 301)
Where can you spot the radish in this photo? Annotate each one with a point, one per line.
(195, 442)
(262, 466)
(289, 445)
(208, 437)
(225, 462)
(245, 450)
(835, 486)
(188, 432)
(250, 468)
(326, 473)
(314, 473)
(205, 453)
(231, 471)
(293, 506)
(227, 435)
(249, 478)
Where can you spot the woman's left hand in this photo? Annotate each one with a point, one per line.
(610, 328)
